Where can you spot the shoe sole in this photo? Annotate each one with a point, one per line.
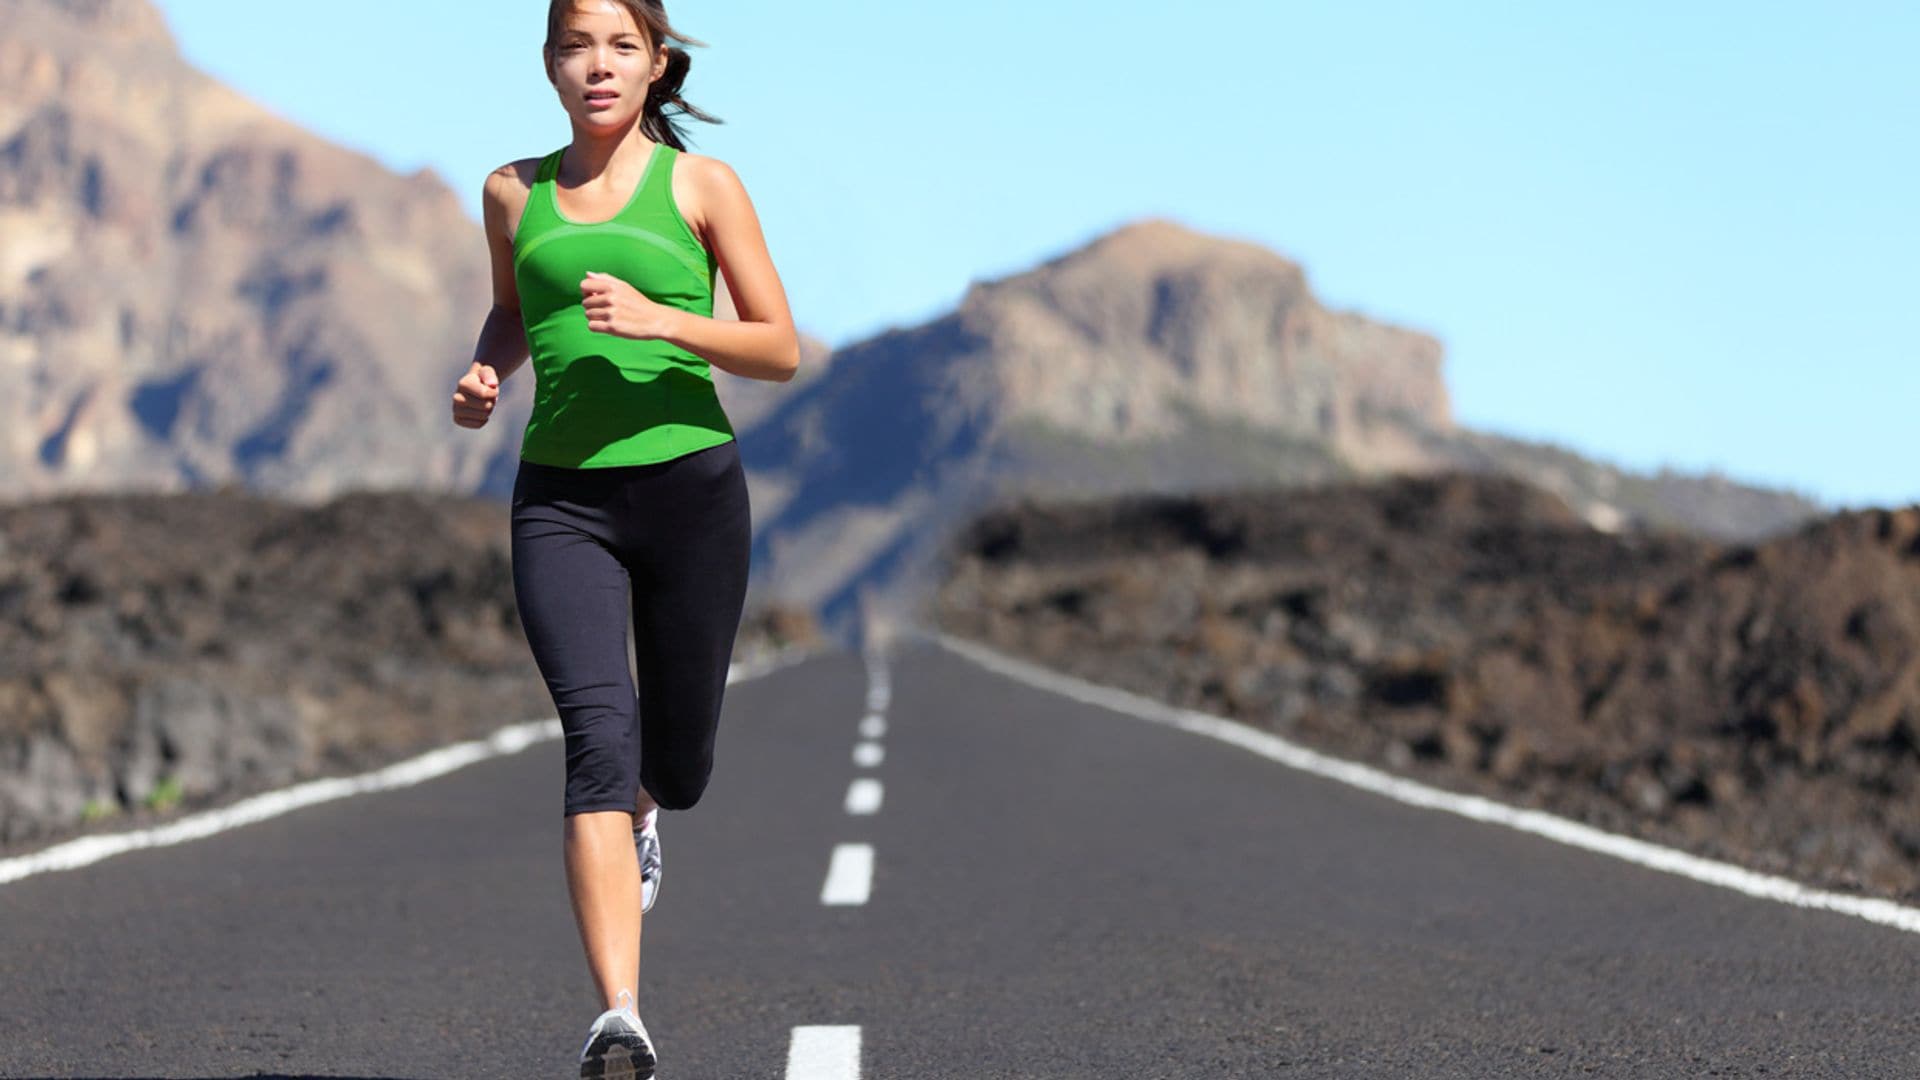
(618, 1057)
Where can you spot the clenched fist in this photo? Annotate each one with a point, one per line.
(617, 308)
(473, 399)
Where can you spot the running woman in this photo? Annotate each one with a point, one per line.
(630, 500)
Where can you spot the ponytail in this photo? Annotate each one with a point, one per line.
(664, 94)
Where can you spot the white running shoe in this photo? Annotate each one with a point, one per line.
(646, 842)
(617, 1046)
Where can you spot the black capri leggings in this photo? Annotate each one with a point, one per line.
(672, 539)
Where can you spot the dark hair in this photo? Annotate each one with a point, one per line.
(664, 93)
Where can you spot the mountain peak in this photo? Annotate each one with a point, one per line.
(203, 292)
(1154, 247)
(1125, 336)
(1142, 264)
(1148, 236)
(137, 20)
(1163, 241)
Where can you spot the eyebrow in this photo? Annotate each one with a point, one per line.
(582, 33)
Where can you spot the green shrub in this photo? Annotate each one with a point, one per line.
(164, 794)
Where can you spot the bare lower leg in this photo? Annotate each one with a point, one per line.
(603, 878)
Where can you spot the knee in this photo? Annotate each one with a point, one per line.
(677, 793)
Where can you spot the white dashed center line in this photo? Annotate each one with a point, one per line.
(863, 796)
(849, 875)
(868, 754)
(824, 1053)
(873, 726)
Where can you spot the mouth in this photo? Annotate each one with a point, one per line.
(602, 97)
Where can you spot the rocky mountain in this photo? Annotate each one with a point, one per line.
(194, 291)
(1752, 702)
(1154, 359)
(1124, 340)
(197, 292)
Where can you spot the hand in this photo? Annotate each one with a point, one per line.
(473, 400)
(615, 307)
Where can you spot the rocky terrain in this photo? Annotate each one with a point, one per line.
(1758, 703)
(1152, 359)
(162, 653)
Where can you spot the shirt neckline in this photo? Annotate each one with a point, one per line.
(646, 171)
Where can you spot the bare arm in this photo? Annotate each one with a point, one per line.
(503, 340)
(763, 343)
(502, 347)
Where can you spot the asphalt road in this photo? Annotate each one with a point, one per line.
(1057, 891)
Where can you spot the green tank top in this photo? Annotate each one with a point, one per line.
(601, 400)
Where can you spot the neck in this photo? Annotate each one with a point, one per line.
(596, 153)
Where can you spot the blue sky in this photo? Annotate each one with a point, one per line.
(1664, 235)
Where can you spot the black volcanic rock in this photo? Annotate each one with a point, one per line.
(1758, 703)
(220, 643)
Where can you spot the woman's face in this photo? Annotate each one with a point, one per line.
(602, 64)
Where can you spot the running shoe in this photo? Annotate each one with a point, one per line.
(617, 1046)
(646, 841)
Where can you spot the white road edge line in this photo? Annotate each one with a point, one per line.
(868, 754)
(824, 1053)
(86, 850)
(849, 876)
(1367, 778)
(864, 795)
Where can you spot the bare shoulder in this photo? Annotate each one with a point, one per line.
(504, 197)
(705, 188)
(708, 175)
